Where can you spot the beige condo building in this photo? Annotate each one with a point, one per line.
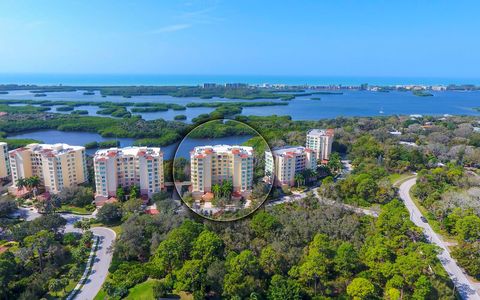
(283, 163)
(4, 162)
(320, 140)
(57, 165)
(127, 167)
(211, 165)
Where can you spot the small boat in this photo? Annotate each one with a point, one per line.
(381, 111)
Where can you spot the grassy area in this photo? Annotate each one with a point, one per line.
(142, 291)
(75, 210)
(117, 228)
(397, 179)
(101, 295)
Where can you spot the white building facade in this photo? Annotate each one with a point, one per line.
(128, 167)
(320, 140)
(4, 161)
(211, 165)
(283, 163)
(57, 166)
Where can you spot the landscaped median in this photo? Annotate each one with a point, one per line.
(88, 269)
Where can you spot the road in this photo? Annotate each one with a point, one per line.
(103, 254)
(466, 288)
(100, 264)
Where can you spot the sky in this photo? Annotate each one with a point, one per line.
(298, 38)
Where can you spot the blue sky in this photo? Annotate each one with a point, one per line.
(321, 38)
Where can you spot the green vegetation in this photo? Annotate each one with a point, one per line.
(22, 109)
(155, 107)
(115, 111)
(102, 145)
(79, 112)
(305, 249)
(142, 291)
(301, 250)
(65, 108)
(450, 198)
(180, 117)
(77, 210)
(51, 261)
(119, 109)
(220, 128)
(420, 93)
(245, 93)
(18, 143)
(237, 104)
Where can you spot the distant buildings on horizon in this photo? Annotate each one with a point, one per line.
(365, 86)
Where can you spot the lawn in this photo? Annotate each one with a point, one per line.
(117, 228)
(142, 291)
(75, 210)
(101, 295)
(397, 179)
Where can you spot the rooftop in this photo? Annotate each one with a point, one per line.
(50, 149)
(321, 132)
(236, 149)
(290, 150)
(130, 151)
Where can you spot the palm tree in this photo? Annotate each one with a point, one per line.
(216, 189)
(335, 163)
(307, 175)
(299, 179)
(227, 188)
(33, 183)
(20, 183)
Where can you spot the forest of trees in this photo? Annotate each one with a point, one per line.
(301, 250)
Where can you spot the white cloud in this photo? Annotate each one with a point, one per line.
(170, 28)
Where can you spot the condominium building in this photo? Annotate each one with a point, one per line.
(57, 166)
(127, 167)
(4, 163)
(283, 163)
(320, 140)
(211, 165)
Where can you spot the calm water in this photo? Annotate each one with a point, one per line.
(81, 138)
(188, 144)
(351, 103)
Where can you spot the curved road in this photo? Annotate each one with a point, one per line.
(100, 264)
(103, 255)
(465, 287)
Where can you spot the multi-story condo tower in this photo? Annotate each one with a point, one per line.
(127, 167)
(283, 163)
(211, 165)
(320, 140)
(57, 166)
(4, 162)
